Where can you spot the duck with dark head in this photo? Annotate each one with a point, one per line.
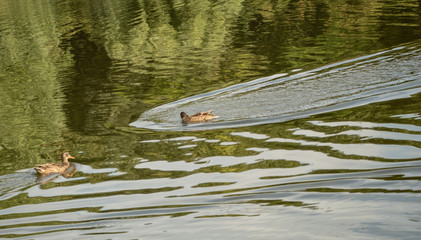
(48, 168)
(198, 117)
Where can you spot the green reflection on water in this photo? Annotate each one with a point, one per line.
(32, 116)
(73, 74)
(71, 69)
(213, 184)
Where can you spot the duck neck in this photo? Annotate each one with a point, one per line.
(65, 161)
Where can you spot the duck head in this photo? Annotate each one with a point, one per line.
(184, 116)
(65, 156)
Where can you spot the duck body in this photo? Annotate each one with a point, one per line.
(198, 117)
(48, 168)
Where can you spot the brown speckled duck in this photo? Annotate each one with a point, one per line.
(198, 117)
(55, 167)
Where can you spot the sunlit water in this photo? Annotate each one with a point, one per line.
(319, 135)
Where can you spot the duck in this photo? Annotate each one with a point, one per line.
(48, 168)
(198, 117)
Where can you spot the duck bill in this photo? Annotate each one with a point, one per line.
(71, 157)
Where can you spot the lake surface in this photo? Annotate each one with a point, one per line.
(319, 134)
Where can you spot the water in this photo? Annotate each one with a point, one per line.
(319, 135)
(289, 96)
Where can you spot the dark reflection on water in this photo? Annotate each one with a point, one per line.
(75, 74)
